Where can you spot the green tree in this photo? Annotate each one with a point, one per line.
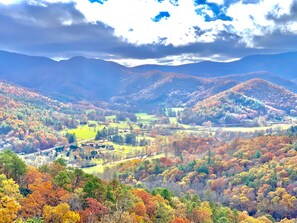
(164, 213)
(203, 168)
(165, 193)
(101, 134)
(95, 188)
(35, 220)
(61, 161)
(71, 137)
(123, 201)
(257, 154)
(109, 194)
(11, 165)
(62, 179)
(130, 139)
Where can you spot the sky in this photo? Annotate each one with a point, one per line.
(134, 32)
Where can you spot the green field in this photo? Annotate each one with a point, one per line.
(95, 169)
(84, 132)
(173, 120)
(123, 125)
(125, 149)
(125, 152)
(145, 118)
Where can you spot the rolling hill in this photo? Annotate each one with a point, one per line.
(30, 121)
(157, 88)
(247, 103)
(271, 94)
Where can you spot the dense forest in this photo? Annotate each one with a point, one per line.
(55, 193)
(255, 175)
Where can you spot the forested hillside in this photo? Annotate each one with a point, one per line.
(30, 121)
(255, 175)
(244, 104)
(54, 193)
(155, 89)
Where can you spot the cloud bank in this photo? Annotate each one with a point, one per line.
(155, 31)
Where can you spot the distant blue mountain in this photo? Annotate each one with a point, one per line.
(81, 78)
(78, 78)
(283, 65)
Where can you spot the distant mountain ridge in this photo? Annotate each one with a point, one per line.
(75, 79)
(290, 85)
(148, 86)
(282, 65)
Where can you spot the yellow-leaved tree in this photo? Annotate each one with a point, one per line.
(9, 208)
(9, 196)
(60, 213)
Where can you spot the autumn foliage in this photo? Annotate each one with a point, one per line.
(38, 197)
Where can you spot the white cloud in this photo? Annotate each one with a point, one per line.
(173, 60)
(132, 19)
(251, 19)
(219, 2)
(8, 2)
(34, 2)
(291, 27)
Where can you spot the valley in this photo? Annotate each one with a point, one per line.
(228, 141)
(161, 111)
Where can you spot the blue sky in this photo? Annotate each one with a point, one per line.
(149, 31)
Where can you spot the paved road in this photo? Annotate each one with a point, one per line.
(53, 148)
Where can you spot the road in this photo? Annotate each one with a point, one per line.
(53, 148)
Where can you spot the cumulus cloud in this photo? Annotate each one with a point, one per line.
(252, 19)
(160, 31)
(132, 20)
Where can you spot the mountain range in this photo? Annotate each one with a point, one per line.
(147, 87)
(279, 64)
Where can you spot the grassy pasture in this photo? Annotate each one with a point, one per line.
(145, 118)
(83, 132)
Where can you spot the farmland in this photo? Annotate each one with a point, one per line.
(146, 136)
